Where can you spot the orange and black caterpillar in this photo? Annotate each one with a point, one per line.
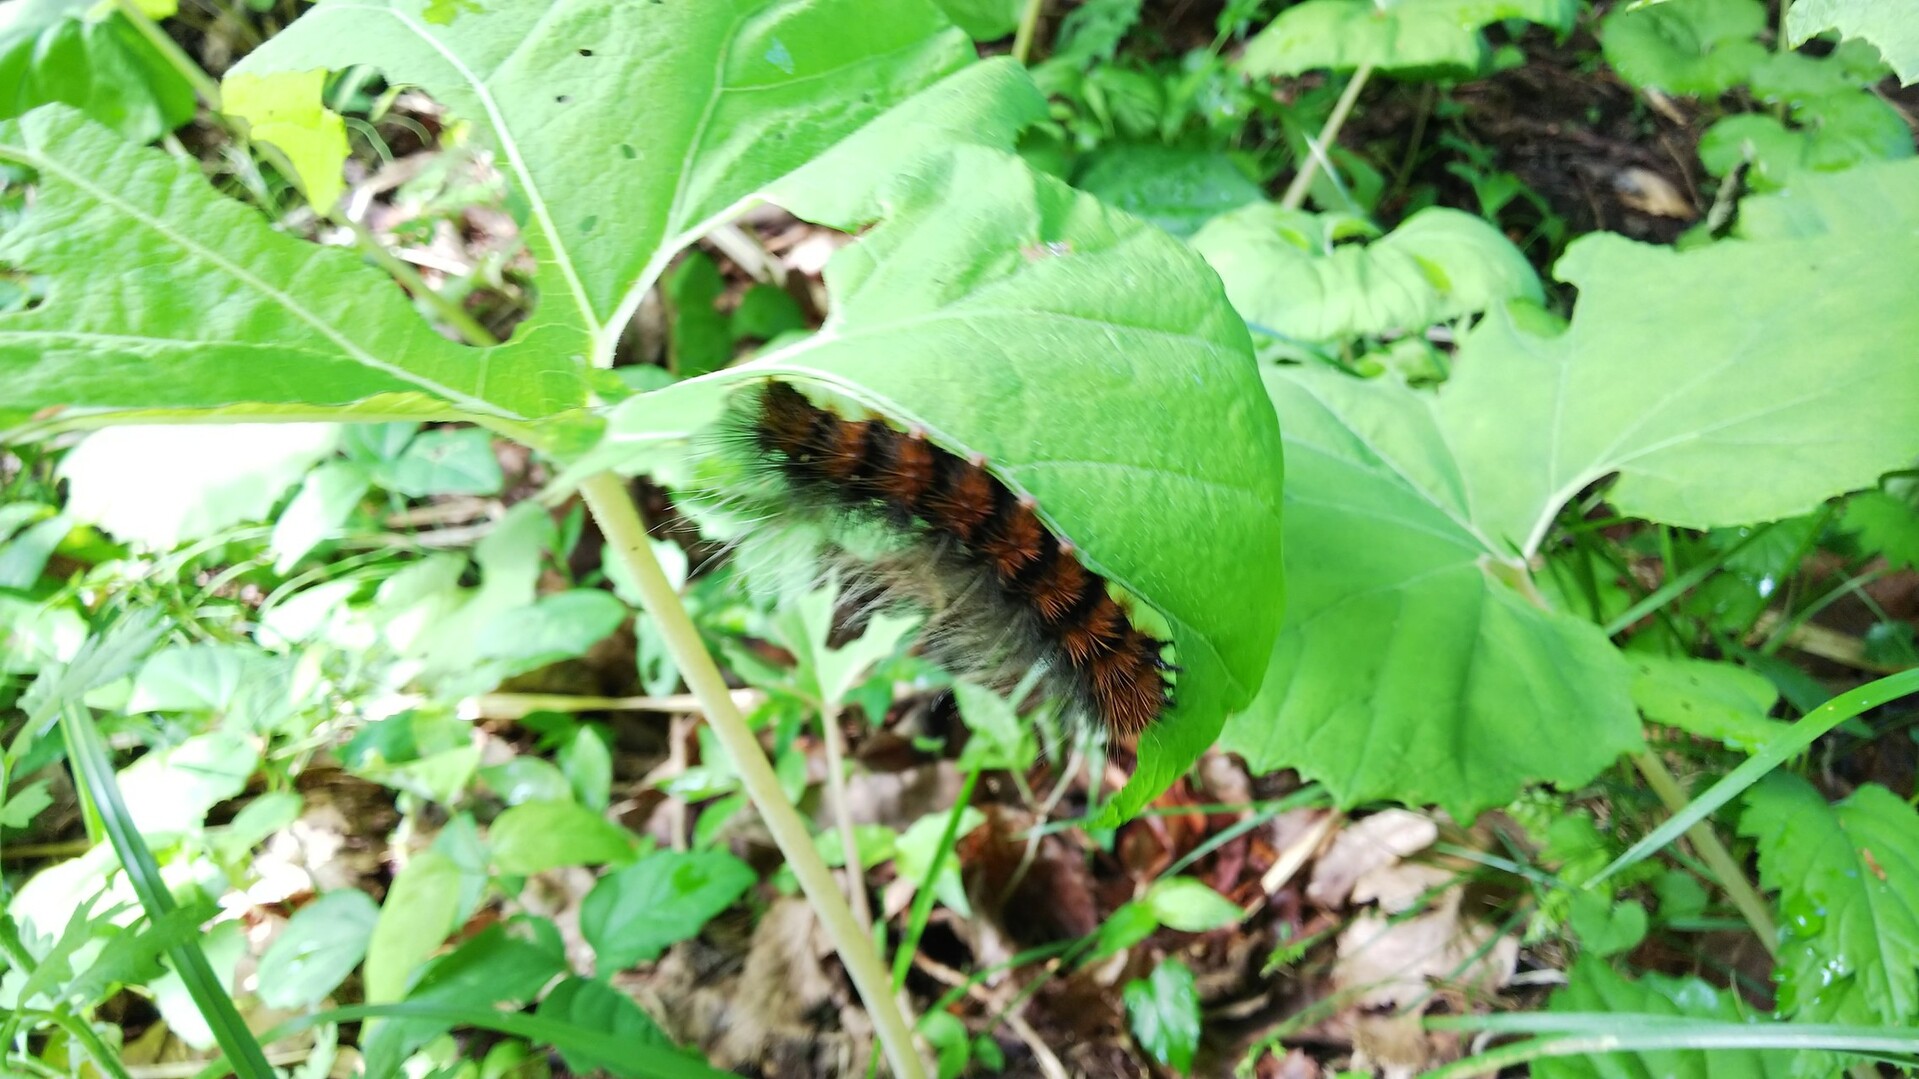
(1063, 618)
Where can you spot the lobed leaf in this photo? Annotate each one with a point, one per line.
(1848, 883)
(244, 321)
(1681, 374)
(630, 129)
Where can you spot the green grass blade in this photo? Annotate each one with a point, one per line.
(1804, 732)
(93, 774)
(641, 1059)
(1583, 1033)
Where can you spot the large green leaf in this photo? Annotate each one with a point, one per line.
(1686, 46)
(1402, 35)
(631, 128)
(1593, 987)
(1093, 361)
(243, 317)
(1411, 667)
(52, 50)
(1848, 883)
(250, 322)
(1891, 25)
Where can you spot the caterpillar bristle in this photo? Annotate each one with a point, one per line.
(1004, 594)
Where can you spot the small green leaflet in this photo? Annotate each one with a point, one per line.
(1848, 881)
(634, 914)
(1164, 1010)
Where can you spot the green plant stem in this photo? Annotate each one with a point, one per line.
(203, 85)
(1028, 29)
(1316, 150)
(619, 519)
(843, 816)
(1732, 878)
(90, 1042)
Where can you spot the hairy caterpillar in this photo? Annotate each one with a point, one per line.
(1005, 594)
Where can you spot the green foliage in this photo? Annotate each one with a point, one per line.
(285, 111)
(1450, 487)
(536, 836)
(59, 51)
(634, 914)
(1175, 188)
(1892, 26)
(320, 946)
(980, 259)
(1163, 1008)
(1687, 46)
(1299, 277)
(1594, 987)
(1407, 37)
(1848, 882)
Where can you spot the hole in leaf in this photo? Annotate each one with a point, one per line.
(586, 52)
(563, 98)
(591, 220)
(627, 151)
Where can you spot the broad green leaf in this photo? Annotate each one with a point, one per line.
(737, 93)
(1831, 133)
(1092, 362)
(557, 626)
(205, 677)
(1163, 1009)
(1848, 881)
(50, 50)
(285, 111)
(634, 914)
(1594, 987)
(245, 322)
(171, 790)
(1885, 523)
(999, 738)
(1176, 188)
(160, 486)
(536, 836)
(316, 951)
(443, 461)
(1711, 700)
(1190, 906)
(1399, 35)
(322, 504)
(1701, 47)
(596, 1005)
(1411, 513)
(416, 918)
(1288, 271)
(1892, 26)
(697, 337)
(526, 779)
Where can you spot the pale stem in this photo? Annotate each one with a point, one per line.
(203, 85)
(619, 520)
(843, 815)
(1028, 28)
(1318, 148)
(1714, 853)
